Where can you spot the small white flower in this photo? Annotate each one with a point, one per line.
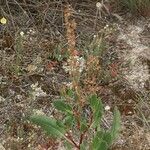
(107, 108)
(106, 26)
(99, 5)
(94, 36)
(70, 131)
(130, 101)
(130, 113)
(3, 20)
(22, 33)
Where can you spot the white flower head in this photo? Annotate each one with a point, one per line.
(3, 20)
(107, 108)
(22, 33)
(99, 5)
(94, 36)
(106, 26)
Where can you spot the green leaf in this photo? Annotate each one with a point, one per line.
(93, 100)
(97, 118)
(107, 138)
(102, 146)
(49, 125)
(69, 121)
(97, 108)
(103, 140)
(62, 106)
(97, 140)
(116, 124)
(99, 144)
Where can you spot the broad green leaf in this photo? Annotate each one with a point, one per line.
(101, 141)
(93, 100)
(97, 140)
(96, 103)
(102, 146)
(62, 106)
(60, 123)
(97, 118)
(97, 108)
(116, 124)
(49, 125)
(107, 138)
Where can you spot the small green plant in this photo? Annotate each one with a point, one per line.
(80, 126)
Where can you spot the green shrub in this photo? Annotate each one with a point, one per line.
(80, 126)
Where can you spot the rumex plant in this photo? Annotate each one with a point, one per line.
(80, 126)
(79, 117)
